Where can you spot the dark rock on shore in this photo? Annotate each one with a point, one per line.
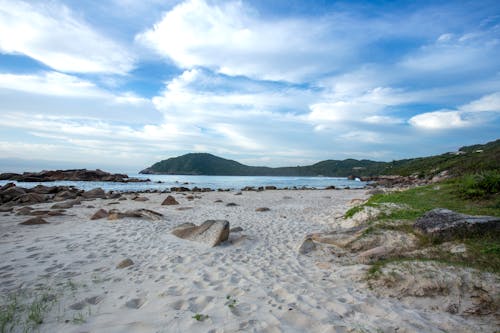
(169, 201)
(34, 221)
(74, 174)
(446, 224)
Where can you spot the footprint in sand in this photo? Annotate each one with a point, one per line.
(135, 303)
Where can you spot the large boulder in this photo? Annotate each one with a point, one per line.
(446, 224)
(210, 232)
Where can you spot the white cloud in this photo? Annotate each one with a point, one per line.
(52, 34)
(474, 113)
(438, 120)
(50, 83)
(232, 39)
(486, 103)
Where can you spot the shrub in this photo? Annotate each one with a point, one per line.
(481, 185)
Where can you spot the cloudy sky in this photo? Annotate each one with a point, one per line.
(120, 84)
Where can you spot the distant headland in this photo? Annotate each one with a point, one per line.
(468, 159)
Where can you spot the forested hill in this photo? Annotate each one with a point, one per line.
(469, 159)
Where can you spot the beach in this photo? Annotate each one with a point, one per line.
(257, 281)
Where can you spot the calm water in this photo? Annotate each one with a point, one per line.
(213, 182)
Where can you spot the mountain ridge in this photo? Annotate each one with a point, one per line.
(467, 159)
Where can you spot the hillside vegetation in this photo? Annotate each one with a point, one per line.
(467, 160)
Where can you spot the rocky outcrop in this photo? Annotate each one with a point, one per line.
(445, 224)
(210, 232)
(451, 289)
(74, 175)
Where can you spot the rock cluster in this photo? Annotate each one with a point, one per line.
(12, 195)
(75, 175)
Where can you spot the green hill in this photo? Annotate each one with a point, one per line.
(471, 159)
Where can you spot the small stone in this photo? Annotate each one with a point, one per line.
(236, 229)
(231, 204)
(170, 200)
(100, 214)
(141, 199)
(262, 209)
(125, 263)
(34, 221)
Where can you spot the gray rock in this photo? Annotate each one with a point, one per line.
(125, 263)
(236, 229)
(137, 213)
(262, 209)
(66, 204)
(446, 224)
(210, 232)
(95, 193)
(307, 245)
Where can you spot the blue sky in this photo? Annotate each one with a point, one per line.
(121, 84)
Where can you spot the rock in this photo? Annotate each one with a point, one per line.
(96, 193)
(65, 195)
(4, 209)
(140, 199)
(169, 201)
(331, 187)
(190, 197)
(12, 193)
(445, 224)
(236, 229)
(34, 221)
(231, 204)
(125, 263)
(73, 174)
(218, 200)
(100, 214)
(137, 213)
(307, 245)
(30, 198)
(262, 209)
(114, 195)
(270, 188)
(24, 211)
(372, 255)
(210, 232)
(66, 204)
(238, 193)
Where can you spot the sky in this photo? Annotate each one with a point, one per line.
(121, 84)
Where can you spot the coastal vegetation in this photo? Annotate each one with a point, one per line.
(476, 194)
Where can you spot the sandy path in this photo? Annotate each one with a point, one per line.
(254, 283)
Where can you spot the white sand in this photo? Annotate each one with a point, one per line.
(275, 289)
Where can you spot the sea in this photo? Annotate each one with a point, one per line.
(165, 182)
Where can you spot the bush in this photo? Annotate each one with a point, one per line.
(481, 185)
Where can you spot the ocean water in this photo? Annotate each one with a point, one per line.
(163, 182)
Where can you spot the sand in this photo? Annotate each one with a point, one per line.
(255, 282)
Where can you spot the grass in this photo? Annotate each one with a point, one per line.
(24, 310)
(200, 317)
